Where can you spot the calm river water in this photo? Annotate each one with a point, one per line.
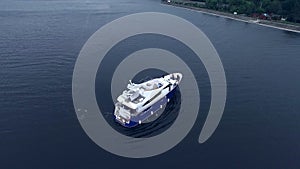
(39, 44)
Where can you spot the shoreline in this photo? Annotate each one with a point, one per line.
(266, 23)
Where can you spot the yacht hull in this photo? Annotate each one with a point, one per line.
(154, 110)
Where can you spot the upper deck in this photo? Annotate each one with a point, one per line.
(139, 94)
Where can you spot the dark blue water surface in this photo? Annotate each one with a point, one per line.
(39, 44)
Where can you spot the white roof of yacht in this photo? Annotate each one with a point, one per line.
(138, 94)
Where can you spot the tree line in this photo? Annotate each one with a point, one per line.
(289, 9)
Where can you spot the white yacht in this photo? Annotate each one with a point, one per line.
(140, 102)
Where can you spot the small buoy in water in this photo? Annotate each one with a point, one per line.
(168, 100)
